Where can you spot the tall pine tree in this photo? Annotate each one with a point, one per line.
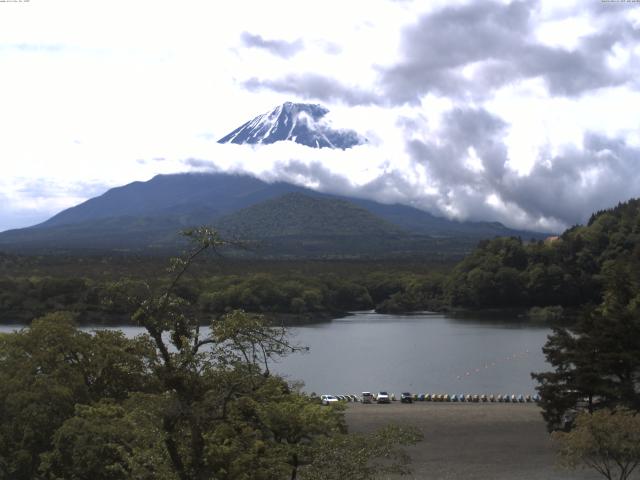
(597, 362)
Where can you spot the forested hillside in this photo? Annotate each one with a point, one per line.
(569, 270)
(303, 215)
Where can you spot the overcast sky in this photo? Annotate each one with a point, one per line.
(526, 112)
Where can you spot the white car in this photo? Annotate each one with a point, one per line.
(329, 399)
(383, 397)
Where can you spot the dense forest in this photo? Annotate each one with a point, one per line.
(294, 291)
(568, 271)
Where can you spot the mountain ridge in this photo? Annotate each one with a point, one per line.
(149, 214)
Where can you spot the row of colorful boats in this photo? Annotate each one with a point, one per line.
(474, 398)
(456, 397)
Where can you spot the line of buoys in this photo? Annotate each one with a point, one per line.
(494, 363)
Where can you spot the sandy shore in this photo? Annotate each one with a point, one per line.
(489, 441)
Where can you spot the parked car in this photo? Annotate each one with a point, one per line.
(383, 397)
(329, 399)
(367, 397)
(406, 397)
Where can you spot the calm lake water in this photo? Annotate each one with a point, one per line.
(418, 353)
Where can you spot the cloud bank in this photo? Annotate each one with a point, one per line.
(474, 158)
(523, 112)
(462, 170)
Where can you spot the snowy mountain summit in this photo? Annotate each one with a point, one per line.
(302, 123)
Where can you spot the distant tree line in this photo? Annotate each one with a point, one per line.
(303, 295)
(566, 271)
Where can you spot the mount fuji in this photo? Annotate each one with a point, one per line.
(302, 123)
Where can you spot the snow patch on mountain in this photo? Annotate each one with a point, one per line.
(302, 123)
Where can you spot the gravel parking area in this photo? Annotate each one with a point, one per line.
(489, 441)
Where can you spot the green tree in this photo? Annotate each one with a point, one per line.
(49, 368)
(295, 422)
(577, 376)
(607, 442)
(202, 376)
(107, 441)
(598, 360)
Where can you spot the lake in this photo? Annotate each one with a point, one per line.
(423, 353)
(418, 353)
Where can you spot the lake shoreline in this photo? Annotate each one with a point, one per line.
(103, 320)
(90, 318)
(425, 352)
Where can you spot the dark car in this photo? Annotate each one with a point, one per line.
(406, 397)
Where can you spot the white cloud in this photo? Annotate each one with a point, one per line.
(94, 91)
(565, 33)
